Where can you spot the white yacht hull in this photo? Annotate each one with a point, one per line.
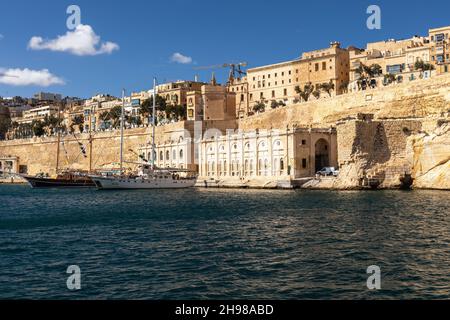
(111, 183)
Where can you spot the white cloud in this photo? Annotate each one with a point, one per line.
(179, 58)
(81, 42)
(28, 77)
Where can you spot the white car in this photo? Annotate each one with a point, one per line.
(328, 171)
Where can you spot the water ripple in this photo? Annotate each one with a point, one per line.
(223, 244)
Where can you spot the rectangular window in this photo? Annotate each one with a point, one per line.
(324, 66)
(303, 142)
(394, 69)
(304, 163)
(285, 92)
(251, 96)
(317, 67)
(273, 94)
(440, 37)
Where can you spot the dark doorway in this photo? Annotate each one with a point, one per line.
(322, 154)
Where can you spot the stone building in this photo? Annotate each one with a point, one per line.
(212, 102)
(440, 50)
(38, 114)
(398, 57)
(272, 155)
(175, 93)
(277, 82)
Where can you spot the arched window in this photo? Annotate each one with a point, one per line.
(251, 167)
(149, 157)
(246, 168)
(181, 154)
(260, 165)
(167, 155)
(174, 155)
(161, 156)
(225, 168)
(281, 165)
(266, 166)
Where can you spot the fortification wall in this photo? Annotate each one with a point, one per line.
(417, 99)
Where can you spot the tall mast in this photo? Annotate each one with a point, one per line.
(153, 124)
(90, 141)
(121, 130)
(58, 128)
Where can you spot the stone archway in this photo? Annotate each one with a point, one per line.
(322, 154)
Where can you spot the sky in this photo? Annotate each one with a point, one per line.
(124, 44)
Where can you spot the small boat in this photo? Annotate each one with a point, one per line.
(63, 180)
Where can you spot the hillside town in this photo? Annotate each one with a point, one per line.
(286, 152)
(319, 74)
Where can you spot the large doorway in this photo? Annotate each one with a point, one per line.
(322, 154)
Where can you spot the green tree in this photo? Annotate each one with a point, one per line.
(389, 78)
(328, 87)
(38, 128)
(146, 107)
(78, 120)
(304, 94)
(422, 66)
(259, 107)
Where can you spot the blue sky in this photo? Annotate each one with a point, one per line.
(209, 32)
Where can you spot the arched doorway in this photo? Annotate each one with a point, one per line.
(322, 154)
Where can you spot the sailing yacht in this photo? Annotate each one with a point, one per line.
(149, 176)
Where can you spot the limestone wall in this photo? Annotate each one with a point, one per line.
(429, 154)
(416, 99)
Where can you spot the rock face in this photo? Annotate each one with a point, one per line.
(429, 155)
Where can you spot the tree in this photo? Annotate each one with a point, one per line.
(78, 121)
(371, 71)
(327, 87)
(375, 70)
(5, 124)
(389, 78)
(38, 128)
(274, 104)
(316, 94)
(422, 66)
(304, 94)
(115, 115)
(259, 107)
(146, 108)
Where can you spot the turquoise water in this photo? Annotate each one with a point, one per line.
(223, 244)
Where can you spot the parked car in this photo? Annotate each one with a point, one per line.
(328, 171)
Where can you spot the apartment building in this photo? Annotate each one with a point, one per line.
(277, 82)
(175, 93)
(440, 48)
(398, 57)
(38, 114)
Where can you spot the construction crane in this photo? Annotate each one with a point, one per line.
(235, 69)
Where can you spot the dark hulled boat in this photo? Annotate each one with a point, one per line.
(63, 180)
